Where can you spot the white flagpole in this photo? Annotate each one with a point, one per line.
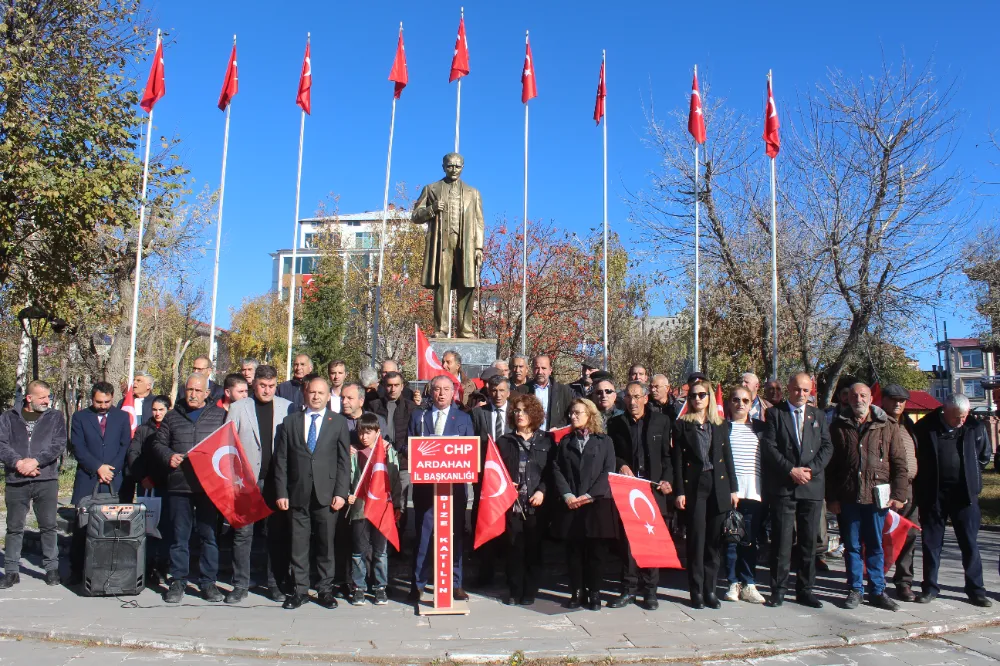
(295, 246)
(458, 112)
(774, 264)
(381, 247)
(524, 252)
(604, 59)
(218, 233)
(697, 258)
(138, 245)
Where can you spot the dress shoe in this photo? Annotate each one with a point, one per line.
(777, 599)
(237, 595)
(905, 593)
(176, 591)
(712, 601)
(575, 599)
(808, 599)
(293, 601)
(594, 601)
(697, 601)
(9, 580)
(980, 600)
(460, 595)
(527, 601)
(328, 599)
(275, 594)
(622, 600)
(52, 578)
(926, 597)
(650, 602)
(883, 601)
(853, 599)
(822, 566)
(211, 593)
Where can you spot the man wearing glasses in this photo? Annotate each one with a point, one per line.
(604, 396)
(203, 366)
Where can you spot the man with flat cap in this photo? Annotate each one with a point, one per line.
(581, 387)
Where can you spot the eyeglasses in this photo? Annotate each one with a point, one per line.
(740, 401)
(699, 396)
(604, 392)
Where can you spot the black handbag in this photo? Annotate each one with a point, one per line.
(733, 529)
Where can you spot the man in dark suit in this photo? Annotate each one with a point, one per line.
(100, 436)
(642, 448)
(555, 397)
(795, 450)
(312, 467)
(443, 418)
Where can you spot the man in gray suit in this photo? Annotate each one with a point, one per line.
(258, 420)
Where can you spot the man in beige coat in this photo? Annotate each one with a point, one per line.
(453, 253)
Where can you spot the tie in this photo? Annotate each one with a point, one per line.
(497, 424)
(311, 440)
(103, 421)
(798, 425)
(439, 424)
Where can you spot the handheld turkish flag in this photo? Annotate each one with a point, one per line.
(559, 433)
(304, 98)
(528, 88)
(428, 365)
(696, 119)
(128, 406)
(156, 86)
(720, 407)
(772, 138)
(460, 62)
(231, 84)
(894, 534)
(648, 536)
(602, 92)
(378, 494)
(398, 72)
(221, 466)
(498, 494)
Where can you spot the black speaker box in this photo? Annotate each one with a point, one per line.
(115, 562)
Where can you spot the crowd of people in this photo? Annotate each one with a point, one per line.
(770, 457)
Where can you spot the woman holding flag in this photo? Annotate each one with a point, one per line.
(706, 486)
(526, 452)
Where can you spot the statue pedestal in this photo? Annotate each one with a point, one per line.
(477, 354)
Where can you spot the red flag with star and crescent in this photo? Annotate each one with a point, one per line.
(376, 490)
(894, 534)
(497, 495)
(696, 119)
(128, 406)
(156, 86)
(772, 138)
(529, 90)
(602, 92)
(398, 73)
(231, 84)
(648, 536)
(460, 62)
(428, 365)
(304, 98)
(221, 466)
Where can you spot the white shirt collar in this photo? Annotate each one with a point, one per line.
(321, 412)
(435, 410)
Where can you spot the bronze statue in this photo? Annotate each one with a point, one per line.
(453, 253)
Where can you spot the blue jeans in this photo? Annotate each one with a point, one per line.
(367, 539)
(862, 524)
(188, 513)
(741, 558)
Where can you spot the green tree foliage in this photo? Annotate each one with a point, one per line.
(321, 323)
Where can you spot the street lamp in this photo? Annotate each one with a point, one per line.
(34, 320)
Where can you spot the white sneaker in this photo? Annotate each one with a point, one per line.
(733, 594)
(750, 594)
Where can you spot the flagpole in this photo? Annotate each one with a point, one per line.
(774, 262)
(524, 249)
(604, 61)
(295, 246)
(138, 245)
(697, 269)
(218, 233)
(458, 116)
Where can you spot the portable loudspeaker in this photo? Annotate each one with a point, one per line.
(115, 561)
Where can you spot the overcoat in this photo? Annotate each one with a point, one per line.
(464, 272)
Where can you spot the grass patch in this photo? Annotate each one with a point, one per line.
(989, 499)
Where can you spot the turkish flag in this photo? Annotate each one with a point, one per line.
(559, 433)
(374, 484)
(772, 138)
(696, 119)
(156, 86)
(428, 365)
(602, 92)
(398, 72)
(894, 534)
(720, 406)
(460, 63)
(128, 406)
(528, 88)
(876, 394)
(498, 494)
(304, 98)
(231, 84)
(221, 466)
(648, 536)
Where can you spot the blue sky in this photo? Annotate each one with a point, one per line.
(651, 48)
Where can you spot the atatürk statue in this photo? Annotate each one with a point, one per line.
(453, 253)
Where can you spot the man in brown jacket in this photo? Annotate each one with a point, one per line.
(867, 453)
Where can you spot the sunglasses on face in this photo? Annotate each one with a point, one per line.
(740, 401)
(699, 396)
(604, 391)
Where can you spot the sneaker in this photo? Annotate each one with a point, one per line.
(211, 593)
(52, 578)
(358, 598)
(750, 594)
(176, 591)
(9, 580)
(853, 599)
(381, 598)
(733, 593)
(883, 601)
(237, 595)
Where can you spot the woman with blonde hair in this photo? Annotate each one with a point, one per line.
(586, 518)
(705, 485)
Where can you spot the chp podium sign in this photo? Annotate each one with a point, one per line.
(443, 461)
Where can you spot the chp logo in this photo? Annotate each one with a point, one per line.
(444, 459)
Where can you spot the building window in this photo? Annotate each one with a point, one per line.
(305, 265)
(353, 223)
(972, 359)
(364, 240)
(309, 241)
(973, 388)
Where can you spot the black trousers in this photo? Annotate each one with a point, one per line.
(904, 561)
(704, 535)
(790, 516)
(524, 558)
(585, 560)
(637, 579)
(312, 525)
(965, 519)
(44, 497)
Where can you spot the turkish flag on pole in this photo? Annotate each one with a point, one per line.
(876, 394)
(221, 466)
(231, 85)
(460, 62)
(696, 119)
(894, 534)
(128, 406)
(428, 365)
(304, 98)
(498, 494)
(528, 88)
(602, 92)
(398, 72)
(377, 491)
(772, 138)
(648, 536)
(720, 407)
(156, 86)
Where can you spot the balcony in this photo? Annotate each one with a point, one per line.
(991, 382)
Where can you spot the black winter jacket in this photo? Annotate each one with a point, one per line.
(179, 434)
(47, 443)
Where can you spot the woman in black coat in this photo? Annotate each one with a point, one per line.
(526, 453)
(585, 518)
(706, 487)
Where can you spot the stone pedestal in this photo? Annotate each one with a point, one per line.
(477, 354)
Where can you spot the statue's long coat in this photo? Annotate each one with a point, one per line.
(464, 273)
